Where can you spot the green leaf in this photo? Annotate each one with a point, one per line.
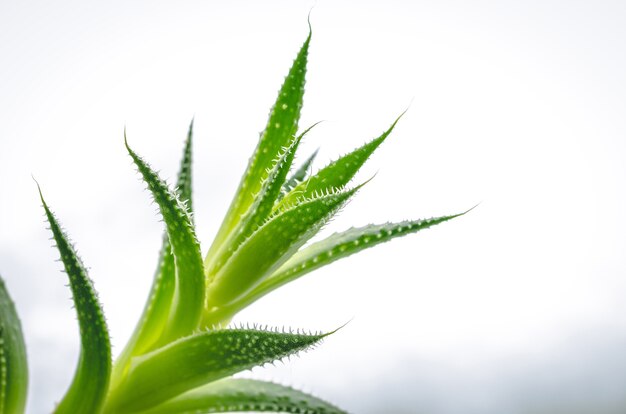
(13, 363)
(299, 175)
(189, 292)
(245, 395)
(337, 174)
(184, 181)
(344, 244)
(322, 253)
(279, 133)
(199, 359)
(156, 311)
(262, 206)
(91, 380)
(271, 245)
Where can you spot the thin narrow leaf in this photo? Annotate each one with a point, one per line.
(322, 253)
(184, 316)
(279, 133)
(155, 315)
(262, 206)
(337, 174)
(185, 181)
(299, 175)
(199, 359)
(13, 363)
(91, 380)
(271, 245)
(245, 395)
(156, 311)
(344, 244)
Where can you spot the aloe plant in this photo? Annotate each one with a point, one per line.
(182, 354)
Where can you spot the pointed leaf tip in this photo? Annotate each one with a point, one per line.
(322, 253)
(90, 384)
(200, 359)
(186, 250)
(279, 133)
(468, 210)
(338, 173)
(126, 139)
(154, 318)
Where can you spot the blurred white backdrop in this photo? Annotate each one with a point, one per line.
(517, 307)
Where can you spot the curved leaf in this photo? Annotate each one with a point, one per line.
(245, 395)
(322, 253)
(13, 363)
(91, 380)
(344, 244)
(279, 133)
(189, 296)
(336, 174)
(156, 311)
(271, 245)
(199, 359)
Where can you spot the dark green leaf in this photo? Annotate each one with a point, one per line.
(199, 359)
(279, 133)
(156, 311)
(190, 284)
(13, 363)
(337, 174)
(89, 386)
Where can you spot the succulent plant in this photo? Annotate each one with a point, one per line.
(182, 354)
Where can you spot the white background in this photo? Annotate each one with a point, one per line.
(517, 307)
